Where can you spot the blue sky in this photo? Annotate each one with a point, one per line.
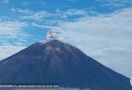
(100, 28)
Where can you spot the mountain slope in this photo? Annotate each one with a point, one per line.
(59, 63)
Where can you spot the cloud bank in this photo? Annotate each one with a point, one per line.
(106, 38)
(9, 32)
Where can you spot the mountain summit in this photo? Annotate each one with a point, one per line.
(59, 63)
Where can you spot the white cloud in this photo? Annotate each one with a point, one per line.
(22, 11)
(10, 31)
(105, 38)
(114, 3)
(41, 26)
(75, 12)
(38, 16)
(8, 50)
(28, 14)
(5, 1)
(45, 16)
(65, 14)
(25, 11)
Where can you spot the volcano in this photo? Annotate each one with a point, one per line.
(59, 63)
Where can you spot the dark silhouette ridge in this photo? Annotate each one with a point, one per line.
(55, 62)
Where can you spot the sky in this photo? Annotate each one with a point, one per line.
(100, 28)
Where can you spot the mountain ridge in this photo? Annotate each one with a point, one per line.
(61, 63)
